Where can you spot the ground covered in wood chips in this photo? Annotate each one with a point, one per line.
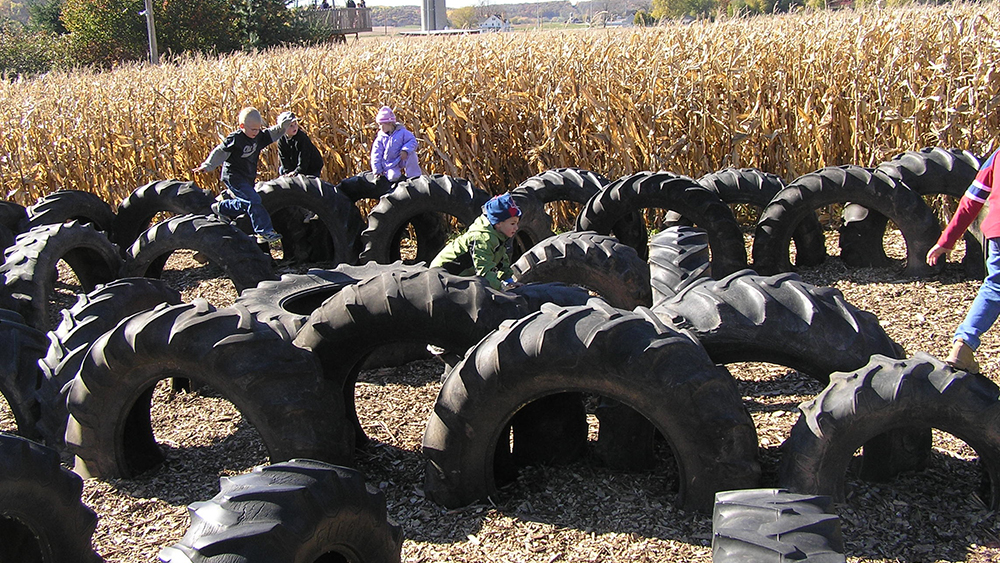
(581, 512)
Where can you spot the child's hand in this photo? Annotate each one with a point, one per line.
(934, 254)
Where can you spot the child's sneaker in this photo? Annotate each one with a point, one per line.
(963, 357)
(268, 237)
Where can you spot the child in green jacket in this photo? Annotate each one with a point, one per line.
(482, 249)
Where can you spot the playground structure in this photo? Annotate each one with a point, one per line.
(340, 22)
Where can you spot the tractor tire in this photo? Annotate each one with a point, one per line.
(42, 519)
(625, 356)
(561, 184)
(13, 221)
(364, 186)
(841, 184)
(678, 257)
(779, 319)
(29, 272)
(407, 203)
(137, 211)
(341, 220)
(755, 187)
(21, 346)
(221, 243)
(72, 205)
(13, 216)
(6, 239)
(91, 316)
(929, 171)
(277, 387)
(428, 307)
(775, 525)
(293, 512)
(290, 300)
(597, 262)
(888, 394)
(677, 193)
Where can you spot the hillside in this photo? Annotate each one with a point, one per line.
(543, 11)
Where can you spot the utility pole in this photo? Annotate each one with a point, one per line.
(154, 53)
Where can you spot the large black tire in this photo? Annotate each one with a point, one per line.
(136, 212)
(755, 187)
(277, 387)
(625, 356)
(14, 216)
(364, 186)
(6, 239)
(340, 218)
(929, 171)
(678, 257)
(29, 271)
(562, 184)
(774, 525)
(71, 205)
(300, 511)
(290, 300)
(221, 243)
(42, 519)
(91, 316)
(884, 395)
(779, 319)
(13, 221)
(678, 193)
(21, 346)
(427, 307)
(597, 262)
(422, 196)
(840, 184)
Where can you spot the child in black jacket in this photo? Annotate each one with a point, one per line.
(297, 153)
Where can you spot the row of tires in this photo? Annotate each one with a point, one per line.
(590, 331)
(321, 222)
(306, 510)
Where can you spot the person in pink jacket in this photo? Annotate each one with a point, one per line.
(394, 152)
(986, 306)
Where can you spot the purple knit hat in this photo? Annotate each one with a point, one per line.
(385, 115)
(501, 208)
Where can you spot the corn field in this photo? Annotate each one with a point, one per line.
(787, 94)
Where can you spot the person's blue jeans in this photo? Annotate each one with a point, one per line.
(246, 200)
(986, 306)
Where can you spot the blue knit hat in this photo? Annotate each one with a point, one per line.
(501, 208)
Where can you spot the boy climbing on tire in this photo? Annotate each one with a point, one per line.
(239, 154)
(482, 249)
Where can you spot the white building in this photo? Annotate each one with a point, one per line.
(495, 23)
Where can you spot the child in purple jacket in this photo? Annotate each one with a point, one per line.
(394, 152)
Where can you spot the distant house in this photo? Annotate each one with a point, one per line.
(495, 23)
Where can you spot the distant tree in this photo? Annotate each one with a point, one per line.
(195, 25)
(25, 52)
(463, 18)
(677, 8)
(643, 18)
(45, 15)
(263, 23)
(105, 31)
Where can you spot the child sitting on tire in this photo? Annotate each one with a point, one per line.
(482, 249)
(297, 153)
(394, 151)
(239, 154)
